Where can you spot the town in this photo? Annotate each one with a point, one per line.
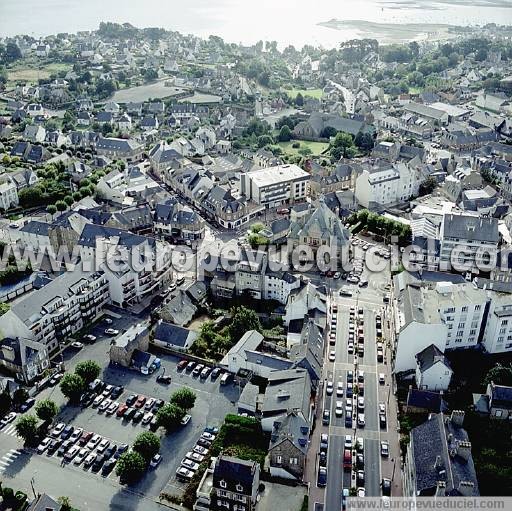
(254, 278)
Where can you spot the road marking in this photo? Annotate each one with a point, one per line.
(9, 458)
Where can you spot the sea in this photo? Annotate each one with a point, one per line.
(244, 21)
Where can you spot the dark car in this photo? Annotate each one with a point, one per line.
(158, 404)
(98, 462)
(129, 414)
(386, 487)
(350, 376)
(204, 443)
(165, 380)
(88, 398)
(215, 373)
(137, 416)
(131, 399)
(63, 449)
(111, 450)
(122, 448)
(348, 420)
(382, 421)
(322, 459)
(54, 445)
(326, 418)
(360, 479)
(322, 477)
(29, 403)
(360, 461)
(153, 425)
(67, 432)
(108, 466)
(117, 392)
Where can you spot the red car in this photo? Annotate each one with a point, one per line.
(140, 402)
(122, 410)
(182, 364)
(86, 436)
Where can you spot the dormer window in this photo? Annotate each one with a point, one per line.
(223, 484)
(239, 488)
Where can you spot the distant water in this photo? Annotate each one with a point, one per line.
(246, 21)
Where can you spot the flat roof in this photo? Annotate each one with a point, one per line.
(277, 174)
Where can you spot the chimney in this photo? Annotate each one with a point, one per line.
(457, 418)
(440, 489)
(466, 488)
(464, 450)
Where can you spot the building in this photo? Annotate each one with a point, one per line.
(433, 371)
(24, 358)
(8, 195)
(438, 460)
(119, 148)
(178, 222)
(498, 330)
(468, 241)
(56, 311)
(496, 402)
(229, 484)
(275, 186)
(323, 232)
(289, 442)
(385, 184)
(125, 346)
(172, 336)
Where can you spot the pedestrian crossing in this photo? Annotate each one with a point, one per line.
(10, 430)
(8, 458)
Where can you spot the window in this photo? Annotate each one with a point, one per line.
(500, 339)
(464, 309)
(450, 327)
(460, 333)
(503, 330)
(472, 332)
(504, 322)
(223, 484)
(461, 325)
(294, 461)
(477, 307)
(279, 459)
(239, 488)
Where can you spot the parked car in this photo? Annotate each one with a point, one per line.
(80, 457)
(77, 345)
(89, 338)
(8, 419)
(89, 459)
(191, 465)
(384, 449)
(102, 446)
(190, 366)
(75, 436)
(186, 419)
(117, 391)
(44, 445)
(215, 373)
(111, 331)
(104, 405)
(165, 380)
(197, 370)
(324, 442)
(137, 416)
(128, 415)
(200, 450)
(84, 439)
(112, 408)
(67, 432)
(184, 474)
(204, 373)
(55, 379)
(326, 417)
(108, 390)
(181, 364)
(110, 450)
(108, 466)
(149, 404)
(93, 442)
(386, 487)
(208, 436)
(122, 448)
(155, 461)
(29, 403)
(194, 456)
(73, 451)
(147, 418)
(98, 462)
(141, 400)
(361, 420)
(54, 445)
(322, 477)
(131, 399)
(122, 409)
(64, 447)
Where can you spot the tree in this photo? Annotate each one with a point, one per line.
(147, 444)
(26, 428)
(52, 209)
(184, 398)
(169, 416)
(61, 205)
(243, 319)
(299, 99)
(285, 135)
(89, 370)
(46, 410)
(30, 197)
(340, 145)
(500, 375)
(12, 52)
(130, 467)
(72, 386)
(65, 504)
(328, 132)
(5, 402)
(428, 185)
(68, 199)
(264, 140)
(19, 397)
(364, 141)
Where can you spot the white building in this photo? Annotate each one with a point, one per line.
(8, 195)
(498, 330)
(275, 186)
(433, 371)
(387, 185)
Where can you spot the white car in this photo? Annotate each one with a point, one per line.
(111, 331)
(339, 389)
(57, 430)
(149, 403)
(339, 408)
(360, 420)
(384, 449)
(382, 408)
(89, 459)
(203, 451)
(329, 388)
(77, 345)
(361, 492)
(360, 403)
(112, 407)
(191, 465)
(186, 419)
(208, 436)
(348, 404)
(93, 442)
(97, 401)
(348, 442)
(194, 456)
(72, 453)
(8, 418)
(43, 445)
(80, 457)
(103, 445)
(104, 405)
(382, 378)
(147, 418)
(75, 436)
(332, 356)
(184, 473)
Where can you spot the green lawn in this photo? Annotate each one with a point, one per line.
(316, 147)
(313, 93)
(31, 73)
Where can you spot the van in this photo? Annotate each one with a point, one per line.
(347, 460)
(226, 377)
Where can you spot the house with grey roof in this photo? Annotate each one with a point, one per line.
(433, 370)
(119, 148)
(495, 403)
(439, 460)
(178, 222)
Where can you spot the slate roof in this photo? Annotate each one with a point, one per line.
(292, 427)
(429, 356)
(427, 400)
(36, 227)
(432, 439)
(91, 232)
(234, 471)
(501, 396)
(471, 228)
(287, 390)
(173, 334)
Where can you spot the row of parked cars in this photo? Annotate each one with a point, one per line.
(203, 371)
(190, 463)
